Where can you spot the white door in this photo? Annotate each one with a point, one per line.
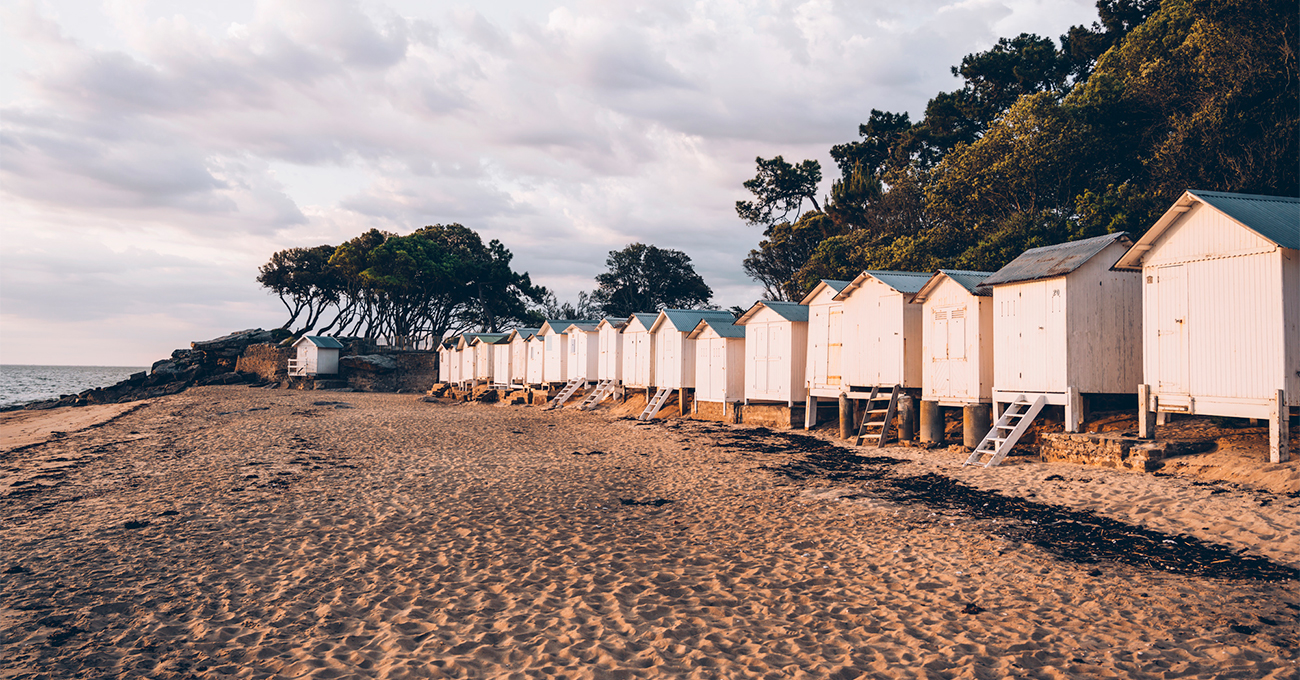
(887, 365)
(818, 352)
(834, 345)
(939, 365)
(760, 340)
(958, 367)
(1171, 324)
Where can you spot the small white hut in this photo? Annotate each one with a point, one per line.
(465, 347)
(882, 330)
(1220, 284)
(445, 352)
(556, 360)
(719, 360)
(453, 359)
(315, 355)
(674, 350)
(1065, 325)
(518, 341)
(824, 362)
(499, 347)
(610, 366)
(536, 358)
(584, 350)
(776, 349)
(638, 351)
(957, 343)
(484, 345)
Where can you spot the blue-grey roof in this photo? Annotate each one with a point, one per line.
(685, 320)
(790, 311)
(971, 281)
(647, 319)
(903, 282)
(321, 341)
(584, 326)
(526, 333)
(1052, 261)
(836, 284)
(616, 321)
(492, 338)
(723, 329)
(1276, 218)
(558, 325)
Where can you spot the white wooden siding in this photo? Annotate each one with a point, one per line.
(484, 360)
(674, 358)
(882, 341)
(775, 357)
(584, 354)
(1291, 323)
(536, 360)
(518, 360)
(638, 355)
(957, 347)
(501, 363)
(556, 359)
(1102, 326)
(824, 342)
(1203, 233)
(610, 364)
(719, 367)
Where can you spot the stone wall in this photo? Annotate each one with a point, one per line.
(780, 417)
(267, 361)
(1113, 450)
(390, 371)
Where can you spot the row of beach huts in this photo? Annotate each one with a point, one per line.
(1199, 316)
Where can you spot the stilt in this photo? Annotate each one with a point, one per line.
(1279, 430)
(1073, 409)
(845, 416)
(906, 418)
(931, 423)
(1146, 419)
(975, 423)
(810, 413)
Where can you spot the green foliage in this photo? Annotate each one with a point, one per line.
(784, 251)
(780, 189)
(643, 278)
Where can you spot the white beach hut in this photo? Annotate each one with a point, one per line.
(484, 345)
(719, 360)
(674, 350)
(1220, 277)
(465, 348)
(445, 350)
(824, 361)
(776, 349)
(1065, 325)
(556, 361)
(882, 330)
(610, 365)
(498, 345)
(536, 358)
(584, 350)
(957, 342)
(638, 351)
(315, 355)
(518, 342)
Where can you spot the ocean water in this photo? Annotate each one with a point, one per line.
(23, 384)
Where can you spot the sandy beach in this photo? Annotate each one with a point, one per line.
(249, 533)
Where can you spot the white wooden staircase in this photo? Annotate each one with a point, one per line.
(656, 403)
(879, 417)
(569, 389)
(603, 389)
(1007, 431)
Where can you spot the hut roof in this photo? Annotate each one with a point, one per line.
(685, 320)
(490, 338)
(833, 284)
(724, 329)
(973, 282)
(1053, 261)
(320, 341)
(790, 311)
(584, 326)
(1276, 218)
(525, 333)
(907, 283)
(559, 325)
(615, 322)
(647, 319)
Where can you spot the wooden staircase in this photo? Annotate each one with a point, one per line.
(879, 416)
(1007, 431)
(569, 389)
(656, 403)
(603, 389)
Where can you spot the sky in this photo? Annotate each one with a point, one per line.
(154, 154)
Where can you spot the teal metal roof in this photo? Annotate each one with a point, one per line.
(525, 333)
(1052, 261)
(558, 325)
(685, 320)
(971, 281)
(836, 284)
(790, 311)
(903, 282)
(321, 341)
(492, 338)
(1276, 218)
(647, 319)
(723, 329)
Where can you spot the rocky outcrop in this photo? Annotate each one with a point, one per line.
(370, 363)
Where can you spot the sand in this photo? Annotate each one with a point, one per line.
(229, 532)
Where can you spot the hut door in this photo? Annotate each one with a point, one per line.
(834, 342)
(1171, 336)
(761, 354)
(939, 361)
(958, 371)
(886, 367)
(703, 369)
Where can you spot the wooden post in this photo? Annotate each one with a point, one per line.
(681, 400)
(931, 423)
(810, 413)
(1073, 409)
(975, 423)
(845, 415)
(1146, 419)
(1279, 430)
(906, 418)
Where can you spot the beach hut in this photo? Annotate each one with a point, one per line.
(957, 349)
(557, 350)
(638, 351)
(610, 365)
(584, 350)
(776, 348)
(536, 358)
(518, 341)
(823, 364)
(719, 361)
(1220, 278)
(501, 360)
(445, 350)
(315, 355)
(674, 350)
(1065, 325)
(465, 348)
(882, 330)
(484, 346)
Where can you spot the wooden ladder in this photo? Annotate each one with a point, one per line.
(571, 387)
(1007, 431)
(603, 389)
(879, 416)
(656, 403)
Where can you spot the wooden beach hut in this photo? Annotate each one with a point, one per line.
(465, 348)
(536, 358)
(1220, 278)
(315, 355)
(719, 361)
(882, 330)
(445, 350)
(610, 365)
(1065, 325)
(776, 349)
(501, 360)
(555, 358)
(674, 354)
(518, 341)
(824, 361)
(484, 346)
(638, 351)
(957, 350)
(584, 350)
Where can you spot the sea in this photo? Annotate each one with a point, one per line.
(24, 384)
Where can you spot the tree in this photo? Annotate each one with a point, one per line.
(643, 278)
(781, 189)
(304, 281)
(785, 251)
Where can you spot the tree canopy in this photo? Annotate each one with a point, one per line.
(643, 278)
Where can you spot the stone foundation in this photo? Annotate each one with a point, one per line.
(1113, 450)
(779, 416)
(267, 361)
(724, 412)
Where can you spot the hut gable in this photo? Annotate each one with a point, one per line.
(638, 351)
(584, 350)
(610, 363)
(957, 338)
(1205, 225)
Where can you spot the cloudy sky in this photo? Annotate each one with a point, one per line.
(153, 154)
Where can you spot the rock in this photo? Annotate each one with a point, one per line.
(228, 378)
(372, 363)
(231, 345)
